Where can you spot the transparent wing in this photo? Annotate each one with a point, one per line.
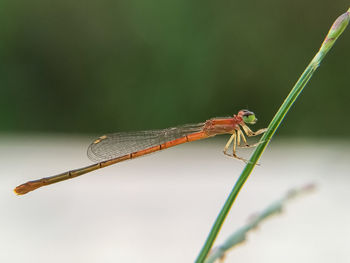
(114, 145)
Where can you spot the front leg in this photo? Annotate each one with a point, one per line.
(250, 133)
(246, 145)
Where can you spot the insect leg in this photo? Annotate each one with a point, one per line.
(250, 133)
(232, 138)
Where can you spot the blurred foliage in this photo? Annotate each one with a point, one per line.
(104, 66)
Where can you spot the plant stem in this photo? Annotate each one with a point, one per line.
(336, 30)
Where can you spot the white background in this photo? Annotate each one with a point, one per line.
(160, 208)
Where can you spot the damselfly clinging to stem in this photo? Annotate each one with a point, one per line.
(114, 148)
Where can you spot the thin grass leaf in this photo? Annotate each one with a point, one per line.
(336, 30)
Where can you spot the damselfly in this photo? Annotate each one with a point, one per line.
(114, 148)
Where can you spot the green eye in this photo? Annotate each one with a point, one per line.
(249, 119)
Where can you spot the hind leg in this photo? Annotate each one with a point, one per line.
(233, 139)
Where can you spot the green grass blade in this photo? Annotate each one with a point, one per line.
(336, 30)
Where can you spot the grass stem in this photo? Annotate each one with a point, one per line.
(336, 30)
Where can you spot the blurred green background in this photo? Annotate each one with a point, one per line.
(104, 66)
(92, 67)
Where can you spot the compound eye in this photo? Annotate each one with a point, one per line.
(247, 113)
(249, 117)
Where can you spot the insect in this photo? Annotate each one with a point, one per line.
(117, 147)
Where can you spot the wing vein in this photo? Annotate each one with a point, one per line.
(118, 144)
